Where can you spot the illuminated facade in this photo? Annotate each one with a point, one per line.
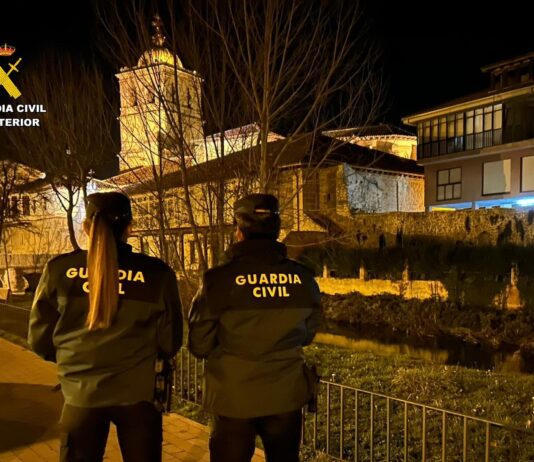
(346, 184)
(318, 183)
(159, 98)
(478, 151)
(382, 137)
(34, 228)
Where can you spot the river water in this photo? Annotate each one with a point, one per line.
(438, 349)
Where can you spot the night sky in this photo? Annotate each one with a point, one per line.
(432, 51)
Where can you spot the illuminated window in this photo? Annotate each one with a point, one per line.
(427, 130)
(527, 173)
(478, 121)
(469, 128)
(435, 130)
(497, 117)
(459, 124)
(192, 252)
(449, 184)
(488, 118)
(461, 131)
(450, 126)
(442, 128)
(497, 177)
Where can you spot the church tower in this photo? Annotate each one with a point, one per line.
(160, 106)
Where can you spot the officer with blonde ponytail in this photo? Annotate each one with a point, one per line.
(105, 315)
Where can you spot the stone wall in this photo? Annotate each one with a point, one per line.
(487, 227)
(422, 290)
(508, 296)
(373, 192)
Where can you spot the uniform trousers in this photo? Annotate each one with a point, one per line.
(84, 432)
(233, 440)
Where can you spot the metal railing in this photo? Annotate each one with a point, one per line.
(188, 377)
(358, 425)
(459, 143)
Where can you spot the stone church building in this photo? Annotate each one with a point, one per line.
(183, 182)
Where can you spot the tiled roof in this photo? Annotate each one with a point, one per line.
(370, 131)
(471, 97)
(306, 151)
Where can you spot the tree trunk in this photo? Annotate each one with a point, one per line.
(164, 248)
(70, 222)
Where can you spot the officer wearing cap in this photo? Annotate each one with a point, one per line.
(104, 315)
(250, 319)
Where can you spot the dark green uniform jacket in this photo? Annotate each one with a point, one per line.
(113, 366)
(251, 319)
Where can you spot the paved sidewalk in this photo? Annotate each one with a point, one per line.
(30, 408)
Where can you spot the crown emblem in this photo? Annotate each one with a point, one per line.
(6, 50)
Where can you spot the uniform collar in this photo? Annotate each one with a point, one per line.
(264, 248)
(123, 247)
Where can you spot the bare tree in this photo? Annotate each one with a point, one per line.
(295, 67)
(75, 136)
(303, 66)
(8, 177)
(14, 205)
(168, 136)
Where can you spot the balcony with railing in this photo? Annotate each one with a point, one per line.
(460, 143)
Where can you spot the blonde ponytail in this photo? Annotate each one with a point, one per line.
(103, 269)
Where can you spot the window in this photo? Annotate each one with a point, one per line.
(463, 131)
(131, 96)
(331, 191)
(192, 253)
(435, 129)
(496, 177)
(189, 100)
(478, 121)
(449, 184)
(527, 173)
(427, 131)
(460, 125)
(442, 128)
(497, 117)
(469, 122)
(450, 126)
(25, 205)
(14, 211)
(488, 118)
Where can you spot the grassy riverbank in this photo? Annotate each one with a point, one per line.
(485, 325)
(506, 398)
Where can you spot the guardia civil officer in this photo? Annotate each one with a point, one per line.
(250, 319)
(104, 315)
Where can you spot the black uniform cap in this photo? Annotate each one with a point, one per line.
(258, 206)
(114, 206)
(258, 216)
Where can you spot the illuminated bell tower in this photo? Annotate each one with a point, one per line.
(160, 106)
